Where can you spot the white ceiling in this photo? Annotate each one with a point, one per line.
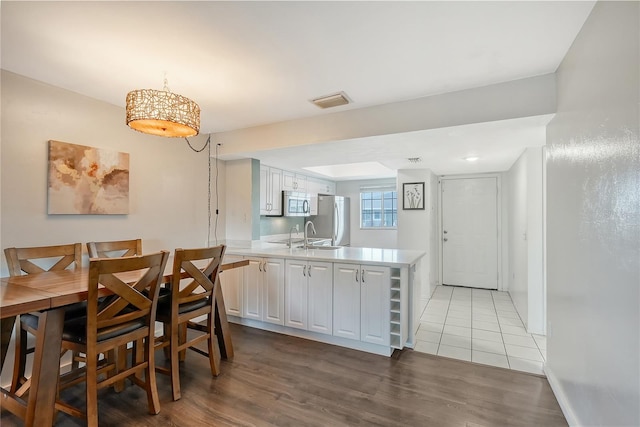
(253, 63)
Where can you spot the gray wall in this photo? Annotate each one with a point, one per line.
(593, 223)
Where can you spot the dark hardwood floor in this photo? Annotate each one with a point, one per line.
(284, 381)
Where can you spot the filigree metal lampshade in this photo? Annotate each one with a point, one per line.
(162, 113)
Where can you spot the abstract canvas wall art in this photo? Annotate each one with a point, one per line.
(87, 180)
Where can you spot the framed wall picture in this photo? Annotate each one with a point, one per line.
(413, 195)
(86, 180)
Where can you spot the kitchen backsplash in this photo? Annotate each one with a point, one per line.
(279, 225)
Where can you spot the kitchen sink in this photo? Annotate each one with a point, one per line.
(321, 247)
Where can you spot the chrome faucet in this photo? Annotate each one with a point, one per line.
(297, 228)
(306, 233)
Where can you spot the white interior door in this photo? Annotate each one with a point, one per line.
(470, 232)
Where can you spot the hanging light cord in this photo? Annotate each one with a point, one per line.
(208, 144)
(215, 230)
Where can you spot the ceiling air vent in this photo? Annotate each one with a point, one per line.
(334, 100)
(414, 159)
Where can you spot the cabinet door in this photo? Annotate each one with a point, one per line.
(275, 180)
(231, 282)
(295, 294)
(320, 277)
(330, 188)
(251, 290)
(273, 291)
(301, 183)
(288, 181)
(320, 186)
(346, 301)
(265, 195)
(375, 303)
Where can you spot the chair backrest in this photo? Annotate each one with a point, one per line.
(203, 280)
(118, 248)
(51, 258)
(128, 304)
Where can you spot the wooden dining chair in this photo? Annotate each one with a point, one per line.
(193, 292)
(36, 260)
(117, 248)
(113, 249)
(127, 316)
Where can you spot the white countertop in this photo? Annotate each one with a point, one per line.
(375, 256)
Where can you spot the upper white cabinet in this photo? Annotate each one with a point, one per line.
(361, 305)
(270, 191)
(273, 181)
(294, 182)
(320, 186)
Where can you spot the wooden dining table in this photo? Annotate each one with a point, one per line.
(48, 293)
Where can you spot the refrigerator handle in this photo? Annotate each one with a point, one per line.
(337, 227)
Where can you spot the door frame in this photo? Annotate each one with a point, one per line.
(499, 209)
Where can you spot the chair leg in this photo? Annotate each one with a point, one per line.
(151, 386)
(20, 358)
(214, 351)
(138, 352)
(119, 357)
(175, 363)
(166, 334)
(92, 388)
(75, 363)
(182, 333)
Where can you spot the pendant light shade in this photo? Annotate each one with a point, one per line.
(162, 113)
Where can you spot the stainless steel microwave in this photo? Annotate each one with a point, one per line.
(295, 203)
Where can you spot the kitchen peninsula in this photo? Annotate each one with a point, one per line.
(361, 298)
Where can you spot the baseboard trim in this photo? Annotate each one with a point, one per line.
(561, 397)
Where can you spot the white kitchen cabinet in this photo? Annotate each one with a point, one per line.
(346, 301)
(320, 186)
(308, 295)
(232, 282)
(273, 291)
(374, 304)
(295, 294)
(294, 182)
(361, 306)
(270, 191)
(320, 297)
(263, 290)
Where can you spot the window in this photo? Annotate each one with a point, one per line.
(378, 208)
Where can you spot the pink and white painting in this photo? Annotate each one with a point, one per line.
(87, 180)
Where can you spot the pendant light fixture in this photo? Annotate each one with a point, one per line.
(162, 113)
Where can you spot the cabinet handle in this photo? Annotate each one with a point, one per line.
(357, 271)
(260, 266)
(304, 270)
(309, 271)
(362, 275)
(264, 267)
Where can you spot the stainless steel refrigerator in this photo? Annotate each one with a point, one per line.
(332, 220)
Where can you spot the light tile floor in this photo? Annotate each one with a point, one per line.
(480, 326)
